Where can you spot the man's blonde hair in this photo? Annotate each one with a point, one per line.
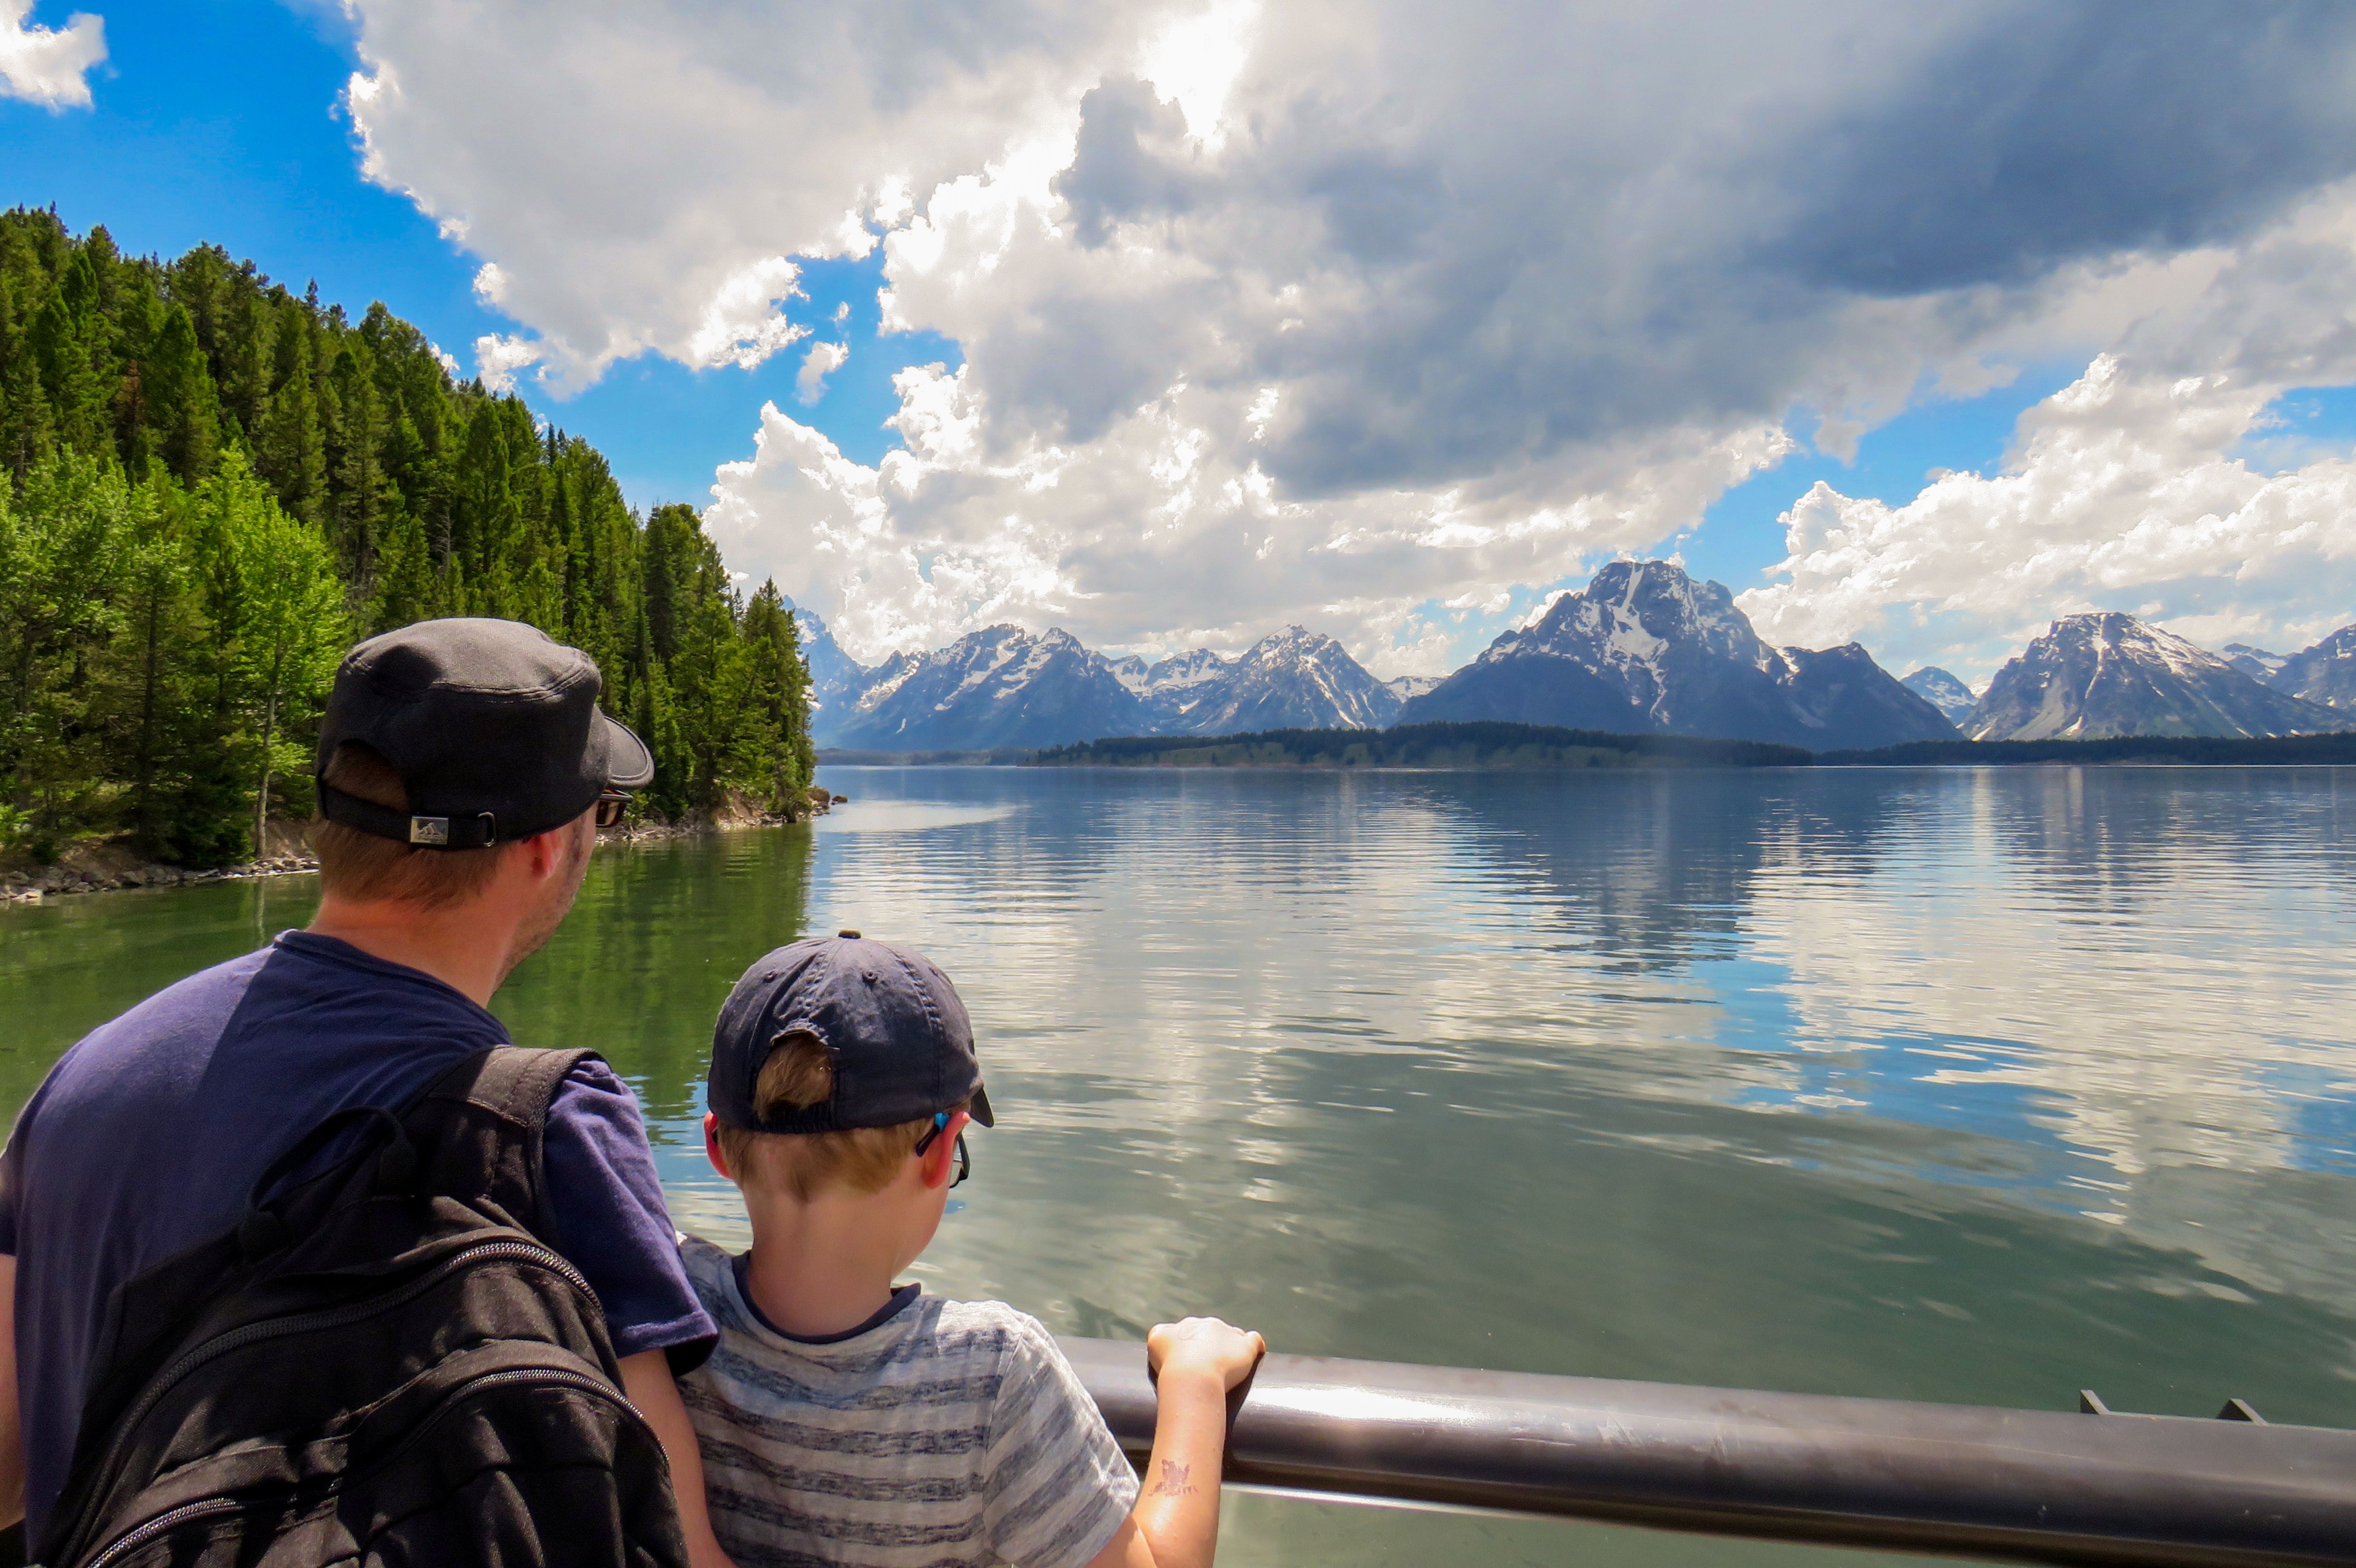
(797, 1075)
(363, 866)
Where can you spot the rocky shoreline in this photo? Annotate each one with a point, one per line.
(111, 867)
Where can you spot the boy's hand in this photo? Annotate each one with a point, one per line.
(1204, 1347)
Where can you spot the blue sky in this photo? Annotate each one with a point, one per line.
(1479, 320)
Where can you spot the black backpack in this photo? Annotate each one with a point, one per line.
(382, 1365)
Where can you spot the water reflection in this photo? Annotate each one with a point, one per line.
(1979, 1087)
(1822, 1080)
(653, 943)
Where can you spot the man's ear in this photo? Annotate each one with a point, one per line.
(544, 852)
(712, 1146)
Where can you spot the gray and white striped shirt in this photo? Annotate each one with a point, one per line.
(952, 1435)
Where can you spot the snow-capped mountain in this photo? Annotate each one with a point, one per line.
(837, 680)
(2324, 673)
(999, 686)
(1408, 688)
(2256, 663)
(1942, 691)
(1170, 686)
(1644, 648)
(2094, 675)
(1005, 687)
(1293, 680)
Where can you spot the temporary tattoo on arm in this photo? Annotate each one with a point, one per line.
(1173, 1483)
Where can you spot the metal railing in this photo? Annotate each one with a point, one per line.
(2020, 1485)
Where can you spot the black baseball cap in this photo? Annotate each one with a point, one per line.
(493, 726)
(895, 1031)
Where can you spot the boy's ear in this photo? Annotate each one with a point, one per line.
(940, 1159)
(712, 1146)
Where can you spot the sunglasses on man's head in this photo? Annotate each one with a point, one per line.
(965, 1159)
(610, 807)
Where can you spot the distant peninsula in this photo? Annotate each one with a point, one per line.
(1497, 744)
(1483, 744)
(2170, 750)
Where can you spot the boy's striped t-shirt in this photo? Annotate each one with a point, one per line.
(948, 1433)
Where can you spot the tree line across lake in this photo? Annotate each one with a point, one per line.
(214, 485)
(1492, 744)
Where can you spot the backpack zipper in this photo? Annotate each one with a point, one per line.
(163, 1523)
(253, 1333)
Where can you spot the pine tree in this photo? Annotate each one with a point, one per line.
(209, 484)
(290, 449)
(63, 549)
(180, 410)
(775, 755)
(283, 608)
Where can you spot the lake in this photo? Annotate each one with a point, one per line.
(1983, 1086)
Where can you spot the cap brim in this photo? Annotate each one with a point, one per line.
(978, 1107)
(628, 763)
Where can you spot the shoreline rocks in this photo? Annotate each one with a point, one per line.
(111, 867)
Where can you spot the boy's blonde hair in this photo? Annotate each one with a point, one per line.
(798, 1074)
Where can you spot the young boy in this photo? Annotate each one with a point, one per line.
(848, 1419)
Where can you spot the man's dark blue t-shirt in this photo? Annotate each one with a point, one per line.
(148, 1134)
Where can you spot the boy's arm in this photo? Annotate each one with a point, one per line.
(1177, 1521)
(646, 1378)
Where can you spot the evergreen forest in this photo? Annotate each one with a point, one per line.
(215, 486)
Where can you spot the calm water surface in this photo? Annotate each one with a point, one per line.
(1983, 1087)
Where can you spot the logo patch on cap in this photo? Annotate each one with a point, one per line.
(429, 830)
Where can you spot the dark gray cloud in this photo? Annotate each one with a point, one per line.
(2057, 131)
(1529, 228)
(1128, 160)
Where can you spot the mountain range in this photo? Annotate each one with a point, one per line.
(1005, 687)
(1646, 648)
(2095, 676)
(1643, 648)
(2324, 673)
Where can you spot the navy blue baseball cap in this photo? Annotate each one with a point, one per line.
(895, 1030)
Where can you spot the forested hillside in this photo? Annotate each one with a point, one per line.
(214, 485)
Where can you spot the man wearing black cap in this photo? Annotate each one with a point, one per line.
(464, 768)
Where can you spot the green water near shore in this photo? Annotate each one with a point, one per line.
(1950, 1085)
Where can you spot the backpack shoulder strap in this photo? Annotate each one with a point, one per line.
(479, 1127)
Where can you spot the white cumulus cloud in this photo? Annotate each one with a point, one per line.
(498, 357)
(49, 66)
(2158, 483)
(822, 360)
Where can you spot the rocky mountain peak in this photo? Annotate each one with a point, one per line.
(2103, 674)
(1942, 691)
(2324, 673)
(1646, 647)
(2255, 663)
(1191, 668)
(1633, 610)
